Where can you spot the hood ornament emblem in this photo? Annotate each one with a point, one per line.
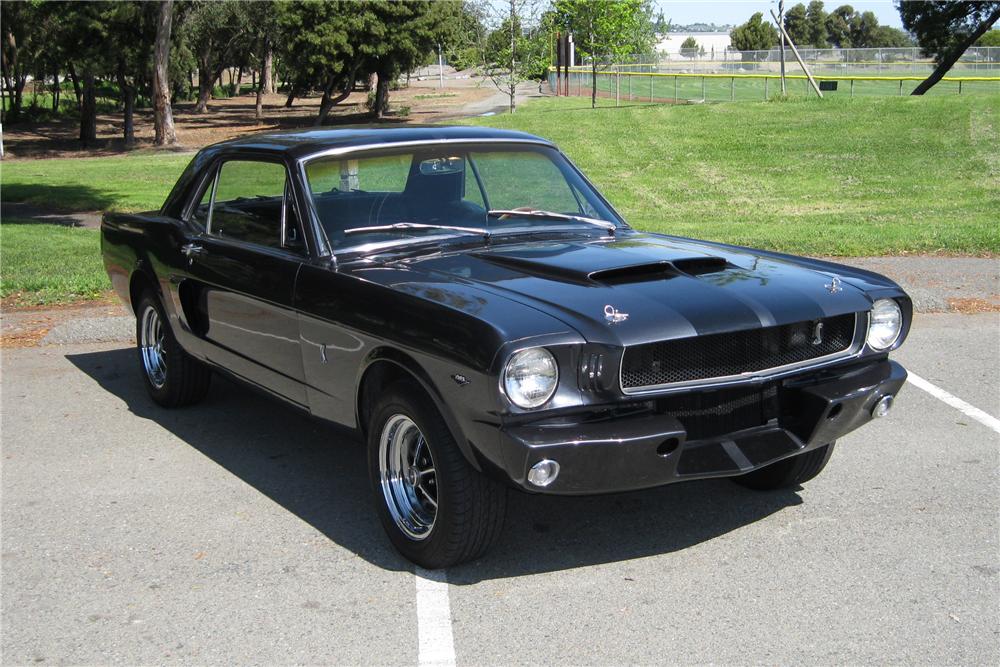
(613, 315)
(834, 285)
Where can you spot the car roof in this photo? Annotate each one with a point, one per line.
(301, 143)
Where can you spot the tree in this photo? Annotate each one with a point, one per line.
(320, 45)
(989, 38)
(888, 37)
(797, 25)
(512, 53)
(838, 27)
(689, 47)
(661, 26)
(21, 41)
(397, 36)
(607, 31)
(163, 115)
(816, 20)
(864, 30)
(945, 30)
(754, 35)
(214, 29)
(131, 36)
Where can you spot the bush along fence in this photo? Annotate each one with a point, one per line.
(624, 84)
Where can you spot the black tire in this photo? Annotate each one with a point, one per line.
(184, 380)
(470, 507)
(793, 471)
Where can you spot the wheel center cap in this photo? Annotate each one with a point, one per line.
(412, 476)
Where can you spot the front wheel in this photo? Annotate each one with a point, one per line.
(436, 509)
(793, 471)
(172, 377)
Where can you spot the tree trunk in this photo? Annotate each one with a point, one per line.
(593, 83)
(513, 59)
(239, 82)
(293, 91)
(258, 112)
(77, 91)
(128, 104)
(11, 71)
(88, 110)
(163, 115)
(593, 70)
(205, 82)
(267, 70)
(381, 96)
(950, 58)
(346, 82)
(55, 90)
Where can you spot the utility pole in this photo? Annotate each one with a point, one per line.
(440, 68)
(781, 20)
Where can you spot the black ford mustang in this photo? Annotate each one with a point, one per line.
(468, 302)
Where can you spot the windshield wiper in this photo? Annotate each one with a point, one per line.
(609, 227)
(416, 225)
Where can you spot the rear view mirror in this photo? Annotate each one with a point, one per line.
(442, 165)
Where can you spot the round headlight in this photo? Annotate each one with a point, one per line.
(530, 377)
(884, 324)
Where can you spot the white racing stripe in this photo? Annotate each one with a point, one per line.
(437, 646)
(968, 410)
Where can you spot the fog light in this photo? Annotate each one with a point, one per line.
(882, 408)
(543, 473)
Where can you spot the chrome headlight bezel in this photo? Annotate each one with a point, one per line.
(885, 324)
(532, 362)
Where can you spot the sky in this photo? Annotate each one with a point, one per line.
(738, 11)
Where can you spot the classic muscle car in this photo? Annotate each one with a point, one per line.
(473, 307)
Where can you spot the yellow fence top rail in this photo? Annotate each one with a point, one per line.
(832, 77)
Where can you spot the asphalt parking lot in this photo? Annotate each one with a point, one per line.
(241, 532)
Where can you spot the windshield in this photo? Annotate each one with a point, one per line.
(451, 190)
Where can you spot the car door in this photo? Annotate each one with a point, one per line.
(241, 271)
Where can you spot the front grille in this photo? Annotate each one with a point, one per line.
(723, 355)
(708, 414)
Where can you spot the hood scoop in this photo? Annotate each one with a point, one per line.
(638, 273)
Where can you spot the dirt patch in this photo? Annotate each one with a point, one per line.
(233, 117)
(971, 306)
(25, 326)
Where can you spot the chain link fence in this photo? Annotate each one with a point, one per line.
(976, 60)
(755, 75)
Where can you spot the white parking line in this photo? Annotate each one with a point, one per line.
(437, 646)
(955, 402)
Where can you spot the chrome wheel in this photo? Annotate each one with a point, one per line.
(151, 347)
(408, 478)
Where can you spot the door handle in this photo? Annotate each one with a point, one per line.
(190, 249)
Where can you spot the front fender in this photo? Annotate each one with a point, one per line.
(374, 370)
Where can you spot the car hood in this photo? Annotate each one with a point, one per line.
(639, 288)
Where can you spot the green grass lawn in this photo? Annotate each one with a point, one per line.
(50, 263)
(868, 176)
(136, 182)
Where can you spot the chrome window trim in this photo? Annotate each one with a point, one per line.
(326, 249)
(854, 351)
(386, 145)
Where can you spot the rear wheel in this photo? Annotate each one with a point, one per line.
(436, 509)
(173, 378)
(789, 472)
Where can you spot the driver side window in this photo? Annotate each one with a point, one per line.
(249, 203)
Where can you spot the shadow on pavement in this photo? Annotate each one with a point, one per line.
(317, 472)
